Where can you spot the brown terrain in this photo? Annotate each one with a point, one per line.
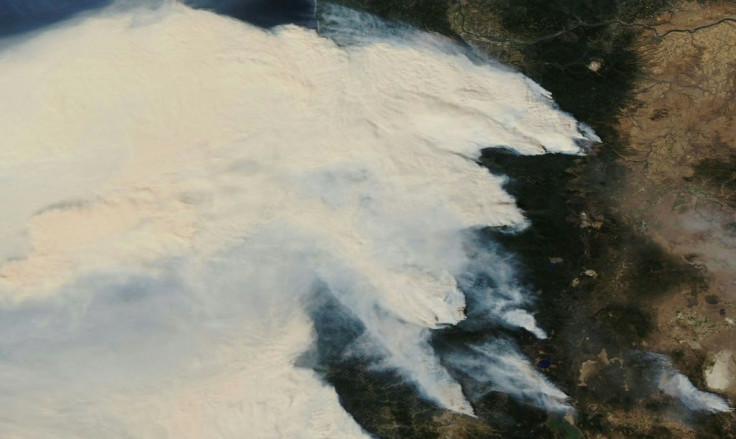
(665, 223)
(680, 182)
(632, 249)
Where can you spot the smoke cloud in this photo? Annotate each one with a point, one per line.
(181, 184)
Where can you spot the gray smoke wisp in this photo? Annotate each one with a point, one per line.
(184, 185)
(492, 290)
(673, 383)
(497, 365)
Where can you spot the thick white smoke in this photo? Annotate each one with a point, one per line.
(177, 183)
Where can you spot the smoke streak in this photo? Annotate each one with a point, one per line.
(670, 381)
(498, 366)
(183, 184)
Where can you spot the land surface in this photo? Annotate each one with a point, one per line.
(632, 248)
